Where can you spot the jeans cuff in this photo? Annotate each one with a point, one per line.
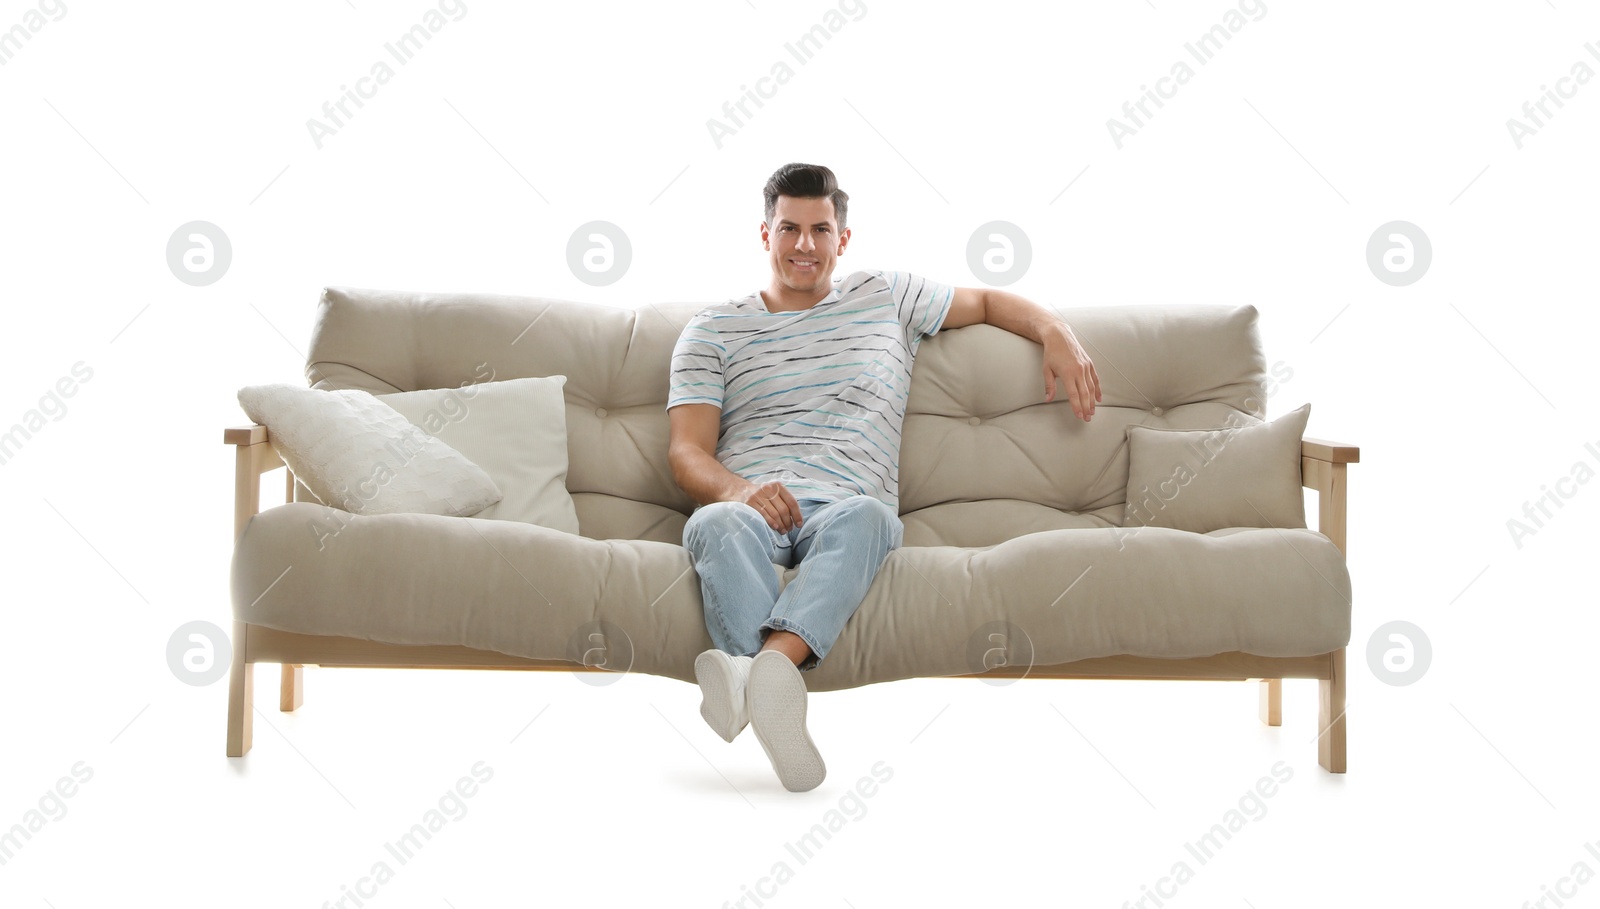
(782, 624)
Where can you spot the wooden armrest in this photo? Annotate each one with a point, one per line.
(1332, 452)
(253, 456)
(1322, 467)
(244, 435)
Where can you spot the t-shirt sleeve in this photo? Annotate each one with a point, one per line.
(697, 366)
(921, 303)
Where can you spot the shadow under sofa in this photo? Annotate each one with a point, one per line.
(1016, 534)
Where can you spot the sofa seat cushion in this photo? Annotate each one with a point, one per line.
(527, 590)
(988, 522)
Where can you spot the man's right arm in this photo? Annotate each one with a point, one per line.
(692, 452)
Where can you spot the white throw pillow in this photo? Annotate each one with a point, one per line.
(357, 453)
(516, 430)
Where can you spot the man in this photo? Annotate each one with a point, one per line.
(785, 409)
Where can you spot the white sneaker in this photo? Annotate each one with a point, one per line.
(778, 712)
(723, 705)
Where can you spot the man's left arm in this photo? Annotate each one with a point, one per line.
(1064, 358)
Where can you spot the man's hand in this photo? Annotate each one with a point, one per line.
(1066, 360)
(775, 503)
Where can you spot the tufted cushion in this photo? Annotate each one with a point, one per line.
(977, 429)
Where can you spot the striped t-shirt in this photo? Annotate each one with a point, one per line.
(813, 398)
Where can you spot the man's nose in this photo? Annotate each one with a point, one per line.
(805, 242)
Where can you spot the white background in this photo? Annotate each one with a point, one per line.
(1259, 182)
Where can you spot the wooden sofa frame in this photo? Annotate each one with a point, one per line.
(1322, 467)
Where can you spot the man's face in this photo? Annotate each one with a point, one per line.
(804, 242)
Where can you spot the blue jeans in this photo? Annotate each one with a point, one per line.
(839, 546)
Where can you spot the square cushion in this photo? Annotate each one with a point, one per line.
(357, 453)
(516, 430)
(1241, 475)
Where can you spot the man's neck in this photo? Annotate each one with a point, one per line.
(778, 298)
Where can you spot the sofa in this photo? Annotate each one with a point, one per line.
(1018, 561)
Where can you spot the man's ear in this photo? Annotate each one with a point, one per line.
(844, 240)
(765, 236)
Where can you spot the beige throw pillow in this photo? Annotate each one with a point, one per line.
(1241, 475)
(516, 430)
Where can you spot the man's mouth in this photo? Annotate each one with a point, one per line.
(803, 265)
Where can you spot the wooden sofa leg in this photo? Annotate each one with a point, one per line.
(1331, 715)
(292, 687)
(241, 694)
(1272, 702)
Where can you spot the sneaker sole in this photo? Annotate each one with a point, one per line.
(778, 714)
(714, 671)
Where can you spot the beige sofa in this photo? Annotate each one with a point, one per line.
(1012, 510)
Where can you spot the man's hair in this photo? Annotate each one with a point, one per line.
(805, 181)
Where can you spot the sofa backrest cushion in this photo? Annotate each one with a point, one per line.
(976, 425)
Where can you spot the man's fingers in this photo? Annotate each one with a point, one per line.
(792, 505)
(771, 505)
(784, 507)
